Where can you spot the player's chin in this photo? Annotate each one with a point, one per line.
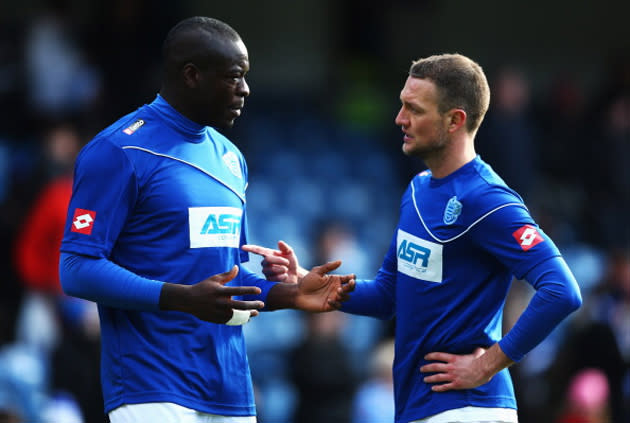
(408, 149)
(225, 123)
(229, 122)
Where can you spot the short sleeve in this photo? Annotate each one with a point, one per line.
(103, 194)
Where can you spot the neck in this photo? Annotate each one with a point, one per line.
(456, 155)
(172, 99)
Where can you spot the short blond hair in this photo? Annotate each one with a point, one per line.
(460, 82)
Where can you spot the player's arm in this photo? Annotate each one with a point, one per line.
(364, 297)
(376, 298)
(557, 295)
(102, 281)
(105, 191)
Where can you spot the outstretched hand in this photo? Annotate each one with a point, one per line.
(278, 265)
(314, 291)
(211, 300)
(318, 291)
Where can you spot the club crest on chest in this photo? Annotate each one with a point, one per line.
(231, 161)
(452, 211)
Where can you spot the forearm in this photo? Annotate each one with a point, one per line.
(557, 295)
(369, 298)
(104, 282)
(175, 297)
(281, 296)
(494, 360)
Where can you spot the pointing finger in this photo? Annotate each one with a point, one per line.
(257, 249)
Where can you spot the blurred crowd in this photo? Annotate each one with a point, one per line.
(327, 180)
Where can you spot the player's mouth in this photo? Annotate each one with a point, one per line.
(236, 109)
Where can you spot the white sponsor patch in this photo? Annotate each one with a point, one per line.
(418, 258)
(214, 226)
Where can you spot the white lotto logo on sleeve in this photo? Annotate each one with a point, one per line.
(419, 258)
(214, 226)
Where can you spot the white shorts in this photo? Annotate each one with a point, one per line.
(167, 412)
(473, 415)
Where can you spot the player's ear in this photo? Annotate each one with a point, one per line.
(456, 118)
(191, 75)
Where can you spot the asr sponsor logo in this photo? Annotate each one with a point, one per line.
(214, 226)
(419, 258)
(412, 252)
(221, 224)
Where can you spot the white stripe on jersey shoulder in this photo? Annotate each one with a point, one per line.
(444, 241)
(146, 150)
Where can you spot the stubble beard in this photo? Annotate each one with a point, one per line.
(431, 150)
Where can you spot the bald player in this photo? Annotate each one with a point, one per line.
(153, 235)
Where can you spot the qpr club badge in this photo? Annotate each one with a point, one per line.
(231, 161)
(452, 211)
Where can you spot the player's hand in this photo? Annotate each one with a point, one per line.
(278, 265)
(318, 291)
(455, 371)
(211, 300)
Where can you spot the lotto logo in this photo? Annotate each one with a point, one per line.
(134, 127)
(83, 221)
(527, 237)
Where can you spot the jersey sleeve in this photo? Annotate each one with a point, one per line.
(103, 194)
(557, 295)
(249, 278)
(511, 235)
(376, 298)
(102, 281)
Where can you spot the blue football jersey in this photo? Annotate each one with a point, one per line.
(164, 198)
(459, 241)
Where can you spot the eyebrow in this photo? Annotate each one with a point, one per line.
(411, 104)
